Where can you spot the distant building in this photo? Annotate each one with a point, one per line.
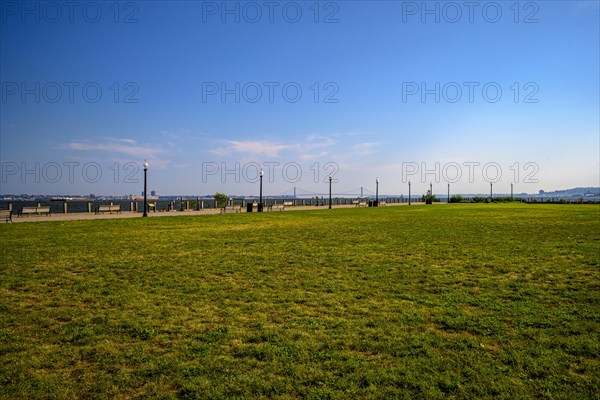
(137, 198)
(153, 193)
(542, 192)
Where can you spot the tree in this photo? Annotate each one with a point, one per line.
(221, 199)
(429, 198)
(457, 199)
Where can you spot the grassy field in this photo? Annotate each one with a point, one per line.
(458, 301)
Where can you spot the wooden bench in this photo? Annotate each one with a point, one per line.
(6, 215)
(108, 208)
(359, 203)
(152, 207)
(288, 203)
(280, 207)
(381, 203)
(34, 210)
(234, 208)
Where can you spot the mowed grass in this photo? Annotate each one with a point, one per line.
(443, 301)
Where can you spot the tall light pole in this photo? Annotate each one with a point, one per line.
(330, 179)
(409, 193)
(511, 192)
(376, 192)
(491, 192)
(145, 190)
(260, 205)
(448, 193)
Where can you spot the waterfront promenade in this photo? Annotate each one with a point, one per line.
(152, 214)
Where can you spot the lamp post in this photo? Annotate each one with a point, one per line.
(491, 192)
(376, 192)
(409, 193)
(511, 192)
(330, 179)
(260, 205)
(448, 193)
(145, 190)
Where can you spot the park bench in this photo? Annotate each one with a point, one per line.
(358, 203)
(230, 208)
(108, 208)
(34, 210)
(152, 207)
(381, 203)
(288, 203)
(6, 215)
(280, 207)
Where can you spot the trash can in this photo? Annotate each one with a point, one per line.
(260, 207)
(249, 207)
(375, 203)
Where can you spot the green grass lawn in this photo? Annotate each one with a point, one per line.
(458, 301)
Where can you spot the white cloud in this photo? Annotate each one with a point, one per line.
(126, 147)
(254, 148)
(309, 147)
(313, 156)
(126, 141)
(306, 149)
(365, 148)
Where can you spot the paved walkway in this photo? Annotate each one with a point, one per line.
(151, 214)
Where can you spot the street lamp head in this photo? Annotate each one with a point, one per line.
(261, 173)
(330, 178)
(145, 166)
(377, 180)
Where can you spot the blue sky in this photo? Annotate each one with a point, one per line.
(209, 92)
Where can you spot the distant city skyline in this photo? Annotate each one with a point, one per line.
(364, 192)
(210, 93)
